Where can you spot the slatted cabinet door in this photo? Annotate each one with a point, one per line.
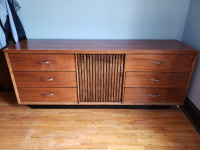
(100, 77)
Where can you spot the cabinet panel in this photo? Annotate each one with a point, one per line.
(153, 79)
(153, 96)
(159, 63)
(48, 94)
(45, 79)
(42, 62)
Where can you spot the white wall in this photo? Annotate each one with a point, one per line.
(104, 19)
(191, 36)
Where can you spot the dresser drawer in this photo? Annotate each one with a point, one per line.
(151, 79)
(153, 96)
(48, 94)
(42, 62)
(45, 79)
(159, 63)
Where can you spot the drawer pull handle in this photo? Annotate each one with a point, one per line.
(158, 62)
(154, 95)
(50, 79)
(44, 62)
(46, 95)
(156, 80)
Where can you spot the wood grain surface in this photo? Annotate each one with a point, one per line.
(100, 77)
(154, 96)
(154, 79)
(93, 129)
(59, 95)
(29, 62)
(159, 63)
(101, 46)
(45, 79)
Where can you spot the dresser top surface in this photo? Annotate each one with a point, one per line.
(100, 46)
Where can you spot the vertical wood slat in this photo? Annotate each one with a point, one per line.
(88, 77)
(105, 86)
(118, 80)
(97, 78)
(93, 78)
(123, 79)
(100, 77)
(107, 79)
(85, 77)
(114, 80)
(104, 100)
(116, 77)
(110, 79)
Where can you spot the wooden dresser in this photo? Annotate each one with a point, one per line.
(100, 72)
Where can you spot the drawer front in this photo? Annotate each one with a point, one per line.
(42, 62)
(150, 79)
(153, 96)
(159, 63)
(48, 94)
(45, 79)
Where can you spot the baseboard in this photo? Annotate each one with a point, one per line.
(192, 112)
(98, 107)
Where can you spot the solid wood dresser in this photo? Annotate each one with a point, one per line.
(100, 72)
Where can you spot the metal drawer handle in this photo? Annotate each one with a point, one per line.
(46, 95)
(154, 95)
(50, 79)
(156, 80)
(44, 62)
(158, 62)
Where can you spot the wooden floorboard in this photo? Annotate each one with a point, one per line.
(94, 129)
